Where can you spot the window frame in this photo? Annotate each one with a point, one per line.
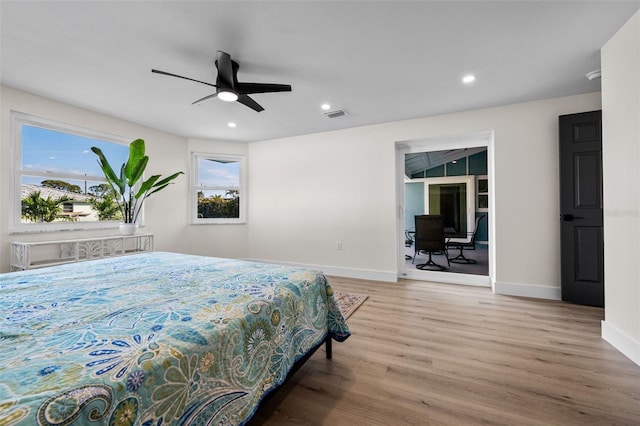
(480, 194)
(17, 120)
(195, 187)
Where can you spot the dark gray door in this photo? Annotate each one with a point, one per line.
(582, 247)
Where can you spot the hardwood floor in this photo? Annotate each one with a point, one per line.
(435, 354)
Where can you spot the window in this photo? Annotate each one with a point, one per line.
(218, 189)
(482, 183)
(57, 182)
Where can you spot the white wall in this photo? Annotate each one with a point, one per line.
(164, 217)
(621, 165)
(166, 213)
(220, 240)
(308, 192)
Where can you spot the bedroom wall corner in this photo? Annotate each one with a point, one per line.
(330, 198)
(165, 212)
(322, 200)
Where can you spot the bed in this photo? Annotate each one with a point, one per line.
(156, 339)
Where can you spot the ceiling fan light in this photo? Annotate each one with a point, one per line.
(228, 96)
(468, 79)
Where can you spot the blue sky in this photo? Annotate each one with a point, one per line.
(49, 151)
(218, 173)
(53, 152)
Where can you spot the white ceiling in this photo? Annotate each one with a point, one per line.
(379, 61)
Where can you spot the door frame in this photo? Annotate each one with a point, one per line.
(470, 140)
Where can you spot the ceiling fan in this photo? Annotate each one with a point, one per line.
(228, 88)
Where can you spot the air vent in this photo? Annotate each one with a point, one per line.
(335, 114)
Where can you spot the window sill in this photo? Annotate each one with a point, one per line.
(51, 228)
(235, 222)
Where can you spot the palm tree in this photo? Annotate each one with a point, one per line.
(107, 207)
(38, 209)
(232, 193)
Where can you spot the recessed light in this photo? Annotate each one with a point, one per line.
(325, 107)
(468, 79)
(231, 124)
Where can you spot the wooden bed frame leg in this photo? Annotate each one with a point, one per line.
(328, 347)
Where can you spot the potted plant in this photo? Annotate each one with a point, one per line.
(130, 196)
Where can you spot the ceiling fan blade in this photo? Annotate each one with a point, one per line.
(247, 101)
(179, 76)
(204, 99)
(225, 70)
(227, 81)
(248, 88)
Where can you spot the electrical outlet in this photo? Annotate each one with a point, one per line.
(338, 245)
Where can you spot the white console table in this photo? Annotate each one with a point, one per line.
(30, 255)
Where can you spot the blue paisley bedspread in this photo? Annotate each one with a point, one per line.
(155, 339)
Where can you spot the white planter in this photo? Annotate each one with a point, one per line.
(128, 228)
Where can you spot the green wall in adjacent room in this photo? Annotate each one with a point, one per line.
(478, 163)
(459, 168)
(414, 191)
(477, 166)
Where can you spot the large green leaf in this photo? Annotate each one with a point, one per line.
(138, 171)
(151, 185)
(130, 173)
(146, 185)
(122, 182)
(113, 180)
(168, 179)
(137, 161)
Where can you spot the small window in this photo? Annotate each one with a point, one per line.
(218, 189)
(483, 193)
(57, 182)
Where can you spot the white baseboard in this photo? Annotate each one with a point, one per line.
(621, 341)
(447, 277)
(528, 290)
(363, 274)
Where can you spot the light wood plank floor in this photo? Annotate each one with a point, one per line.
(437, 354)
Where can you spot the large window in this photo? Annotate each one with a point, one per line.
(57, 181)
(218, 188)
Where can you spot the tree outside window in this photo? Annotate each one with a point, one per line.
(218, 188)
(59, 184)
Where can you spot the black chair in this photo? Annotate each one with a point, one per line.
(408, 241)
(429, 238)
(463, 244)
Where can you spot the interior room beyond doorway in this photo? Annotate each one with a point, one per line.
(453, 183)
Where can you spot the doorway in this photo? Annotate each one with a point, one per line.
(452, 201)
(452, 197)
(450, 185)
